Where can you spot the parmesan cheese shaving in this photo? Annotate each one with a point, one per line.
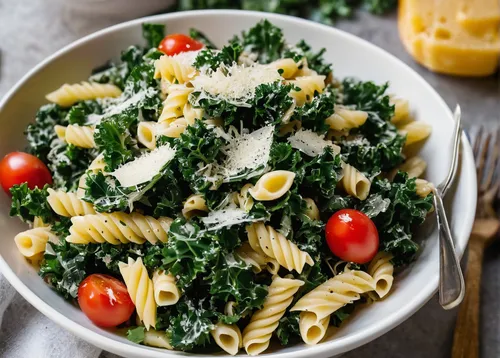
(226, 217)
(235, 84)
(247, 152)
(144, 168)
(311, 143)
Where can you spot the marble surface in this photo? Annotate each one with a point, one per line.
(30, 30)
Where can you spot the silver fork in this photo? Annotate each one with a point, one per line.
(451, 279)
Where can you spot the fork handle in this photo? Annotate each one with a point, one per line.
(466, 336)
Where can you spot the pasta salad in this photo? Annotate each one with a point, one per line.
(197, 197)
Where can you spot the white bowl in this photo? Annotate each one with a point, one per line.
(350, 56)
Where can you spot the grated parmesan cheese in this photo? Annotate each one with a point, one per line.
(144, 168)
(235, 84)
(311, 143)
(247, 152)
(226, 217)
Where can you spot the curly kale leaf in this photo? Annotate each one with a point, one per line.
(315, 61)
(265, 40)
(288, 329)
(201, 37)
(322, 173)
(189, 252)
(111, 255)
(41, 133)
(190, 325)
(210, 59)
(153, 34)
(309, 237)
(78, 113)
(105, 193)
(197, 147)
(28, 203)
(312, 114)
(284, 157)
(113, 139)
(231, 278)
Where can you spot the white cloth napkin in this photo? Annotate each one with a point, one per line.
(31, 30)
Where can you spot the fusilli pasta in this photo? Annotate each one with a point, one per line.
(159, 339)
(67, 94)
(175, 102)
(424, 187)
(309, 85)
(146, 134)
(174, 69)
(243, 199)
(263, 323)
(401, 110)
(321, 302)
(272, 185)
(79, 136)
(415, 132)
(345, 119)
(415, 167)
(288, 67)
(355, 183)
(228, 337)
(68, 204)
(117, 228)
(165, 289)
(267, 241)
(33, 241)
(382, 271)
(140, 289)
(257, 260)
(312, 210)
(194, 205)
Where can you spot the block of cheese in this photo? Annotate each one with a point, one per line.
(452, 36)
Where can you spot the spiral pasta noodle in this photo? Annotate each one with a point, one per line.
(146, 134)
(265, 240)
(345, 119)
(308, 85)
(272, 185)
(173, 129)
(312, 211)
(174, 69)
(424, 187)
(317, 305)
(140, 288)
(79, 136)
(33, 241)
(304, 69)
(401, 110)
(228, 337)
(191, 114)
(118, 228)
(355, 183)
(263, 323)
(415, 132)
(382, 271)
(174, 104)
(287, 66)
(154, 338)
(415, 167)
(68, 204)
(194, 205)
(257, 260)
(166, 292)
(67, 94)
(243, 199)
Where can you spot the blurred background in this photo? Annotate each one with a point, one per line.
(31, 30)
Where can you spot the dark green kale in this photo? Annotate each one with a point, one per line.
(153, 34)
(321, 174)
(342, 314)
(113, 139)
(105, 193)
(110, 255)
(189, 252)
(265, 40)
(312, 114)
(233, 279)
(396, 220)
(268, 106)
(310, 236)
(136, 334)
(41, 133)
(78, 113)
(65, 265)
(28, 203)
(211, 59)
(201, 37)
(335, 203)
(284, 157)
(315, 61)
(288, 329)
(197, 147)
(190, 325)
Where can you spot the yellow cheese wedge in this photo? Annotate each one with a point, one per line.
(448, 37)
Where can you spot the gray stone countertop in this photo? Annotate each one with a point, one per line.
(30, 30)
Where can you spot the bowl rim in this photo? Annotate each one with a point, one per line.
(345, 344)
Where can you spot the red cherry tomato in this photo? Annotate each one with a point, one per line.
(105, 300)
(177, 43)
(19, 167)
(352, 236)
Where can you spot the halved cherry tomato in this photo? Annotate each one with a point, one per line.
(105, 300)
(177, 43)
(19, 167)
(352, 236)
